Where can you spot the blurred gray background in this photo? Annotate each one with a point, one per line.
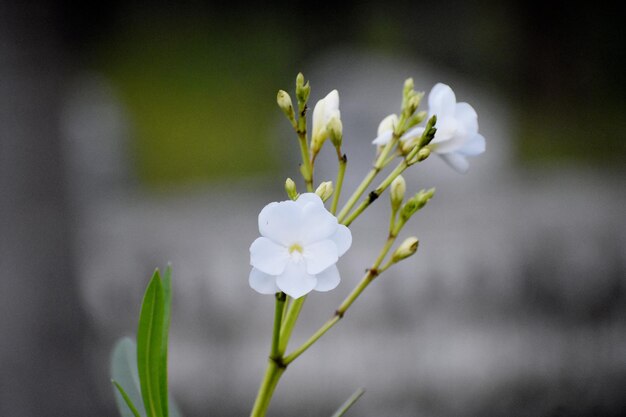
(132, 135)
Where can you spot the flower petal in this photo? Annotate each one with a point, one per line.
(457, 161)
(281, 221)
(383, 138)
(342, 238)
(328, 279)
(320, 255)
(474, 146)
(317, 224)
(441, 100)
(295, 281)
(387, 124)
(263, 283)
(307, 198)
(467, 118)
(413, 133)
(268, 257)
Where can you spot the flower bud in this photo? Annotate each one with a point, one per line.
(325, 190)
(335, 130)
(406, 249)
(413, 102)
(396, 193)
(416, 119)
(429, 131)
(409, 85)
(290, 187)
(302, 90)
(284, 102)
(423, 154)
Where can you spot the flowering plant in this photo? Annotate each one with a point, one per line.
(302, 240)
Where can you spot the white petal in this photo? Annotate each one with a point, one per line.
(441, 100)
(342, 238)
(332, 102)
(295, 281)
(263, 283)
(413, 133)
(387, 124)
(281, 221)
(320, 255)
(456, 161)
(318, 118)
(268, 256)
(467, 118)
(474, 146)
(307, 198)
(328, 279)
(317, 224)
(383, 138)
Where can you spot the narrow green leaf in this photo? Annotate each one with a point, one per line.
(149, 346)
(128, 401)
(124, 371)
(349, 403)
(167, 308)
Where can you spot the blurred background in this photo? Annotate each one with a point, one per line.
(133, 134)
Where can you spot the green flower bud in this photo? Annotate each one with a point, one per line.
(325, 190)
(290, 187)
(423, 154)
(409, 85)
(335, 130)
(284, 102)
(406, 249)
(302, 90)
(416, 119)
(396, 193)
(429, 131)
(413, 102)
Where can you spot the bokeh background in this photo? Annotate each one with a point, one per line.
(136, 133)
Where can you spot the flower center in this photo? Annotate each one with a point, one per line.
(295, 248)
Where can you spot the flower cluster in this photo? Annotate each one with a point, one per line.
(457, 134)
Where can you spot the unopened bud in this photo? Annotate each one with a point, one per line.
(284, 102)
(406, 249)
(302, 90)
(416, 119)
(423, 154)
(290, 187)
(325, 190)
(413, 102)
(409, 85)
(429, 131)
(335, 130)
(396, 192)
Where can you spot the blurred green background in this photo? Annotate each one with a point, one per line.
(199, 80)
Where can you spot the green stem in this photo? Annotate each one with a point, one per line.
(273, 371)
(380, 163)
(307, 167)
(371, 274)
(281, 297)
(268, 385)
(289, 323)
(343, 161)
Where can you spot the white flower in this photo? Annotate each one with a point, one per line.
(385, 130)
(325, 110)
(457, 128)
(299, 245)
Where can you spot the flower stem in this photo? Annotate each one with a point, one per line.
(273, 371)
(343, 161)
(371, 274)
(270, 380)
(307, 166)
(380, 163)
(376, 193)
(289, 323)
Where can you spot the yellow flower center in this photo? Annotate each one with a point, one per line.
(295, 248)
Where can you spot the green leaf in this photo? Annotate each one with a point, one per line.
(124, 372)
(128, 401)
(349, 403)
(150, 346)
(167, 307)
